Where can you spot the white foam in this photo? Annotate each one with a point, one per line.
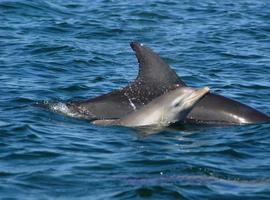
(63, 109)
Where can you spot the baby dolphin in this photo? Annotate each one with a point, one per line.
(169, 108)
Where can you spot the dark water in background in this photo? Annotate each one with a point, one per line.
(67, 50)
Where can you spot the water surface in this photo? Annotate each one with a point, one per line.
(75, 50)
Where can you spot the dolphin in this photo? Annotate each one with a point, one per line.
(164, 110)
(154, 79)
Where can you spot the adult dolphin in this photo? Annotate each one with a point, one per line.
(154, 79)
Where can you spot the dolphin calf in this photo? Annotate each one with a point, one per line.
(164, 110)
(154, 79)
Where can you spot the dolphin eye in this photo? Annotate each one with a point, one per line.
(177, 104)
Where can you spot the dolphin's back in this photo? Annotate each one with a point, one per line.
(155, 79)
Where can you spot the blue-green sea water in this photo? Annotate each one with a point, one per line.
(54, 50)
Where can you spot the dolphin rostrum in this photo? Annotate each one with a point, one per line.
(164, 110)
(154, 79)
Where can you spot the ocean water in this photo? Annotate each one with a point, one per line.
(75, 50)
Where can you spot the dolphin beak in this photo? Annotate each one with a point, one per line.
(198, 94)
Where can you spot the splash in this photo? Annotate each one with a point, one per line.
(59, 107)
(63, 109)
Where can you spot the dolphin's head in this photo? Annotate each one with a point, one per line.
(179, 102)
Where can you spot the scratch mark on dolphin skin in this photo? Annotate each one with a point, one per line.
(130, 102)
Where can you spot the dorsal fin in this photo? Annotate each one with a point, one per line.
(153, 68)
(154, 79)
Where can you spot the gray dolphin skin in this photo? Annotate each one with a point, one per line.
(154, 79)
(169, 108)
